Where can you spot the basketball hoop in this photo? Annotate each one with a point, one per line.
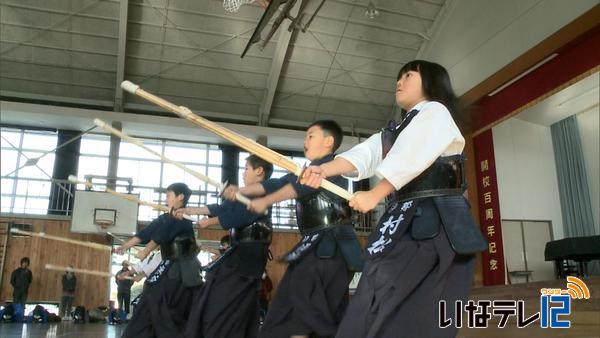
(104, 223)
(105, 218)
(232, 6)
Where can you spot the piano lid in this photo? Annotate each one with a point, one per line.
(575, 248)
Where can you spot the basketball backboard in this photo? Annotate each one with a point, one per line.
(96, 212)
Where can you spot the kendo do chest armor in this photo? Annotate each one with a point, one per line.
(180, 247)
(320, 211)
(259, 231)
(446, 176)
(444, 183)
(250, 248)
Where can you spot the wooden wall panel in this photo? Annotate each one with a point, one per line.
(91, 291)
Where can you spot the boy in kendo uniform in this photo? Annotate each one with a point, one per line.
(227, 305)
(312, 295)
(164, 305)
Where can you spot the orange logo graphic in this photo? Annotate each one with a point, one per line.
(577, 288)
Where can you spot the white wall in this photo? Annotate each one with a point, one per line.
(475, 38)
(589, 125)
(527, 182)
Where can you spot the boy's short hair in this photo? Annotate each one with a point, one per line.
(181, 188)
(226, 239)
(257, 162)
(330, 128)
(25, 260)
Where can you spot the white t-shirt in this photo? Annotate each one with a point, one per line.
(431, 133)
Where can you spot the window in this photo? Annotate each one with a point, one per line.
(26, 170)
(202, 158)
(151, 175)
(93, 158)
(144, 169)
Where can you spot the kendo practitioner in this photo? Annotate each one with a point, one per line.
(227, 305)
(422, 251)
(164, 305)
(313, 293)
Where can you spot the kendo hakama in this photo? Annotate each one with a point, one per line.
(313, 294)
(228, 305)
(164, 305)
(310, 299)
(421, 252)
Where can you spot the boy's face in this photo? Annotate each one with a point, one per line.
(24, 265)
(174, 201)
(317, 144)
(252, 175)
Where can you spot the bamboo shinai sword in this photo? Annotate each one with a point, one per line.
(241, 198)
(245, 143)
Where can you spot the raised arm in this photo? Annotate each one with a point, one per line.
(251, 190)
(191, 211)
(357, 163)
(151, 246)
(339, 166)
(129, 244)
(207, 222)
(259, 205)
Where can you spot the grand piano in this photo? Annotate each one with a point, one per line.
(581, 250)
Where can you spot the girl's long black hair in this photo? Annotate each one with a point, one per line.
(436, 83)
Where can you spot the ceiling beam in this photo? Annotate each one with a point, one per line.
(57, 100)
(211, 115)
(435, 29)
(122, 42)
(283, 43)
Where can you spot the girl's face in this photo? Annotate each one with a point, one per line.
(409, 90)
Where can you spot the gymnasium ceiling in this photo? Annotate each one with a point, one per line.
(344, 67)
(188, 51)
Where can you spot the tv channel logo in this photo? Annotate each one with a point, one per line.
(555, 306)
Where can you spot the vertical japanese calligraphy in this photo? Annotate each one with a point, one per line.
(489, 209)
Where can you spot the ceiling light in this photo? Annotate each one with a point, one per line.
(371, 11)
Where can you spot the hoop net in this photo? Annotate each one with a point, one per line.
(232, 6)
